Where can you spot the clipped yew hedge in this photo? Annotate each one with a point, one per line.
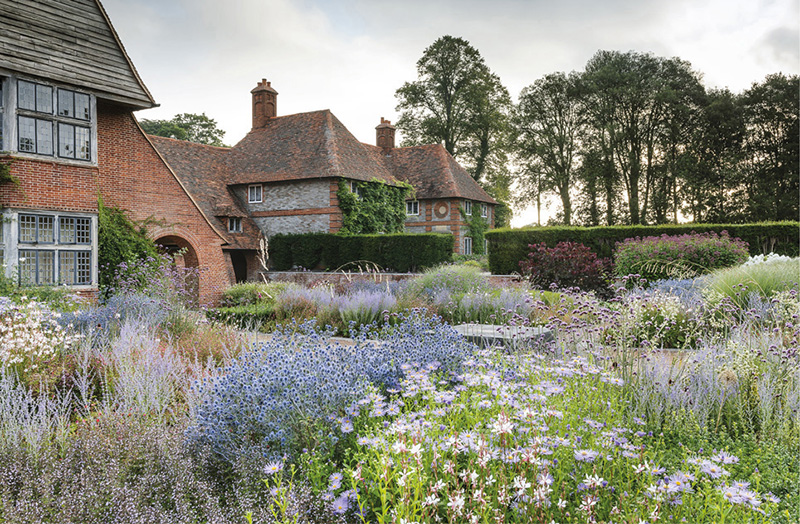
(508, 246)
(396, 252)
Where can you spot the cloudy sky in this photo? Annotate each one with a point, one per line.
(349, 56)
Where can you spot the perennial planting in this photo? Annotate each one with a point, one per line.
(670, 401)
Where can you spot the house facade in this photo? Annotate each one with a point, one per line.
(283, 177)
(68, 137)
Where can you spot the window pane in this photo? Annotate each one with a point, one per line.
(83, 232)
(66, 140)
(66, 230)
(84, 269)
(26, 95)
(44, 137)
(82, 143)
(27, 228)
(66, 267)
(27, 134)
(27, 266)
(66, 104)
(82, 109)
(44, 99)
(46, 229)
(47, 265)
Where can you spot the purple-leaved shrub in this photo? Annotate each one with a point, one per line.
(568, 264)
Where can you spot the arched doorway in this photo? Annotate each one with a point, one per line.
(186, 277)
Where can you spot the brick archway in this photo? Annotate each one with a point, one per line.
(184, 257)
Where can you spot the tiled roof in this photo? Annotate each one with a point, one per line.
(203, 172)
(303, 146)
(434, 173)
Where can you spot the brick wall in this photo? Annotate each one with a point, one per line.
(132, 176)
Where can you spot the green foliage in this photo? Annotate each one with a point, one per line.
(459, 279)
(508, 246)
(186, 126)
(260, 315)
(252, 293)
(399, 252)
(678, 256)
(477, 226)
(5, 174)
(120, 240)
(457, 101)
(765, 280)
(377, 208)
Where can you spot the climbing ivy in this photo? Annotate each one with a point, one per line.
(477, 226)
(5, 174)
(377, 208)
(120, 241)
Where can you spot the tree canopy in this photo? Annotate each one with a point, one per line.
(186, 126)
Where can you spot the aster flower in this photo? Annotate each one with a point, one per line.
(273, 467)
(586, 455)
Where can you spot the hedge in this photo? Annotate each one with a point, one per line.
(397, 252)
(508, 246)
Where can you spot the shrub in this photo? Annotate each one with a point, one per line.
(452, 280)
(399, 252)
(120, 240)
(252, 292)
(508, 246)
(658, 258)
(569, 264)
(247, 316)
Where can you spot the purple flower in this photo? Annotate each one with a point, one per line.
(585, 455)
(341, 504)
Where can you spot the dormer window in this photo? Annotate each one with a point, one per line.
(51, 121)
(254, 194)
(234, 224)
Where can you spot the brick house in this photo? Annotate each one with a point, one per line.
(282, 177)
(67, 95)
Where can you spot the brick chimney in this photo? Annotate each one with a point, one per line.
(384, 133)
(265, 102)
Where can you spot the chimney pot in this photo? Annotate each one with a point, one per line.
(384, 134)
(265, 102)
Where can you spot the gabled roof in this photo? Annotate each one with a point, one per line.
(434, 173)
(70, 42)
(202, 171)
(304, 146)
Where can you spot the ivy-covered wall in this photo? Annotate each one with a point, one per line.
(375, 207)
(477, 226)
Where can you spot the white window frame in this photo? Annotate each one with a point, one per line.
(234, 224)
(484, 211)
(412, 207)
(355, 188)
(251, 189)
(86, 249)
(468, 207)
(467, 245)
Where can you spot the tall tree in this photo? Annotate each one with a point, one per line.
(549, 124)
(629, 99)
(771, 114)
(457, 101)
(186, 126)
